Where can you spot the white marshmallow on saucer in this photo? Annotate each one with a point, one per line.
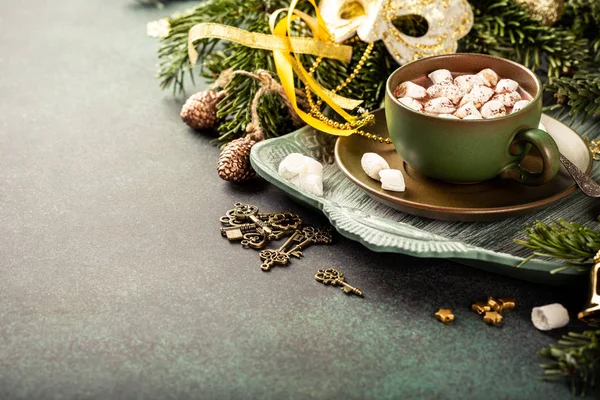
(466, 82)
(506, 85)
(409, 89)
(489, 77)
(411, 103)
(450, 116)
(466, 110)
(372, 164)
(392, 180)
(309, 183)
(509, 99)
(493, 109)
(549, 317)
(445, 89)
(440, 75)
(479, 95)
(473, 116)
(441, 105)
(519, 105)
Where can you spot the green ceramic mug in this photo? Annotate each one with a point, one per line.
(466, 151)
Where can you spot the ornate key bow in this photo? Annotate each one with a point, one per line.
(372, 20)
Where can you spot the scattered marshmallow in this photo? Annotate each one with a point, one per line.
(489, 77)
(466, 110)
(450, 116)
(493, 109)
(519, 105)
(409, 89)
(303, 172)
(392, 180)
(445, 89)
(441, 105)
(372, 164)
(473, 116)
(479, 95)
(440, 75)
(506, 85)
(466, 82)
(509, 99)
(549, 317)
(411, 103)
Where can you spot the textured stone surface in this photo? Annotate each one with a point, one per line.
(114, 281)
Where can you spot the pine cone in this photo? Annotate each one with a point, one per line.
(200, 110)
(234, 160)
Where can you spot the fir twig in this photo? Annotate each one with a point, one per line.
(575, 358)
(566, 241)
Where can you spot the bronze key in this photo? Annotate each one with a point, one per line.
(255, 230)
(333, 277)
(304, 238)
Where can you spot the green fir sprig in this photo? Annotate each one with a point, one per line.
(576, 358)
(568, 242)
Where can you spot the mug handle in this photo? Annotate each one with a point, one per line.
(548, 150)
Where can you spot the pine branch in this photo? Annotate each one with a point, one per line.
(581, 92)
(562, 240)
(504, 28)
(576, 358)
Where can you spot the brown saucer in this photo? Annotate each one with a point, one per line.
(489, 200)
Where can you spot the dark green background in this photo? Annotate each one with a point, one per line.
(115, 282)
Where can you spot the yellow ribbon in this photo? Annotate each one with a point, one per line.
(282, 44)
(257, 40)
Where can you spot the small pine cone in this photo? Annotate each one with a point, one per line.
(200, 110)
(234, 160)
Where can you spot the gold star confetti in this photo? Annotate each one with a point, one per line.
(444, 315)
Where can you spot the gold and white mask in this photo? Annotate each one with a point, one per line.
(372, 20)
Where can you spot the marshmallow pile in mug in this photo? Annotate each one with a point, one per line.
(480, 96)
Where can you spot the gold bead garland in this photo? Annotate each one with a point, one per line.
(368, 118)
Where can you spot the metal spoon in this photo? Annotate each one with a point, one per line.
(587, 185)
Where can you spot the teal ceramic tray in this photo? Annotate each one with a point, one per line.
(356, 215)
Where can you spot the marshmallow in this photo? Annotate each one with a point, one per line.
(303, 172)
(466, 82)
(509, 99)
(473, 116)
(392, 180)
(409, 89)
(519, 105)
(411, 103)
(450, 116)
(493, 109)
(310, 183)
(549, 317)
(441, 105)
(372, 164)
(489, 77)
(292, 166)
(506, 85)
(478, 95)
(466, 110)
(445, 89)
(440, 75)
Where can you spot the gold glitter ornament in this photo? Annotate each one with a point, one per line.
(545, 11)
(372, 20)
